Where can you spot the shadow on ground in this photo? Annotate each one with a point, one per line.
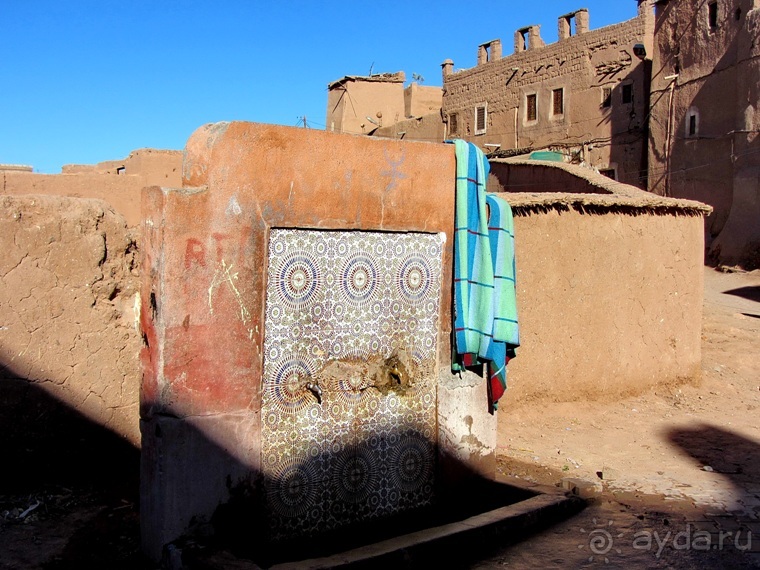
(723, 452)
(70, 498)
(750, 293)
(68, 487)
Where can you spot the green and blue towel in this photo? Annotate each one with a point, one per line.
(485, 309)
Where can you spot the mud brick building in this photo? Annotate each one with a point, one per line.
(586, 95)
(364, 104)
(704, 138)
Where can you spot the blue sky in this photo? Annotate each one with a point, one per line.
(90, 80)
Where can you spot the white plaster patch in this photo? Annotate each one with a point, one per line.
(233, 207)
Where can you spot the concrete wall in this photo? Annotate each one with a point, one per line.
(609, 286)
(119, 183)
(68, 339)
(710, 73)
(583, 65)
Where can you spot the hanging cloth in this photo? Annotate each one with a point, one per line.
(485, 314)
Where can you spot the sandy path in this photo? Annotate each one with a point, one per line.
(692, 453)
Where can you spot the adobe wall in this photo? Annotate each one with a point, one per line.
(349, 106)
(427, 128)
(118, 183)
(420, 100)
(154, 166)
(520, 175)
(592, 330)
(69, 341)
(583, 65)
(710, 74)
(609, 286)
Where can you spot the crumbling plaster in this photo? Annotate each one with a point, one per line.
(68, 296)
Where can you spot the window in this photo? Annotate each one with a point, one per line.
(628, 93)
(453, 124)
(558, 101)
(712, 11)
(608, 172)
(531, 107)
(481, 115)
(606, 97)
(692, 122)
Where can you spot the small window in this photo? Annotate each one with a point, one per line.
(481, 115)
(628, 93)
(692, 122)
(712, 10)
(606, 97)
(531, 107)
(608, 172)
(453, 124)
(121, 170)
(558, 101)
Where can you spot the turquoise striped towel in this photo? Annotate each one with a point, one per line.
(485, 308)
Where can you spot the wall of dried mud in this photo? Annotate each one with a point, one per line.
(610, 303)
(68, 337)
(117, 182)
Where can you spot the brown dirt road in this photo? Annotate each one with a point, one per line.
(679, 459)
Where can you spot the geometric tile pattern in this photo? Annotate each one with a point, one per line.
(349, 387)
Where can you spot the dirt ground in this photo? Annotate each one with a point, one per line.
(678, 469)
(681, 460)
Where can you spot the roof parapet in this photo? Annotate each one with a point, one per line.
(489, 51)
(565, 24)
(528, 38)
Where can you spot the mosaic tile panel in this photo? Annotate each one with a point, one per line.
(348, 401)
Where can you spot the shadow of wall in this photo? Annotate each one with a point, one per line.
(45, 441)
(321, 505)
(730, 455)
(628, 121)
(67, 294)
